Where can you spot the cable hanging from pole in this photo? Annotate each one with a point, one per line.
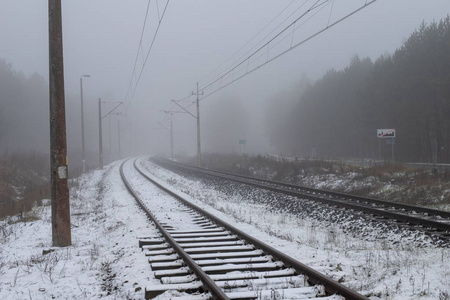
(313, 7)
(293, 24)
(280, 54)
(249, 41)
(139, 49)
(145, 61)
(254, 36)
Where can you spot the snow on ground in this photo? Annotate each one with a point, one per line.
(374, 267)
(105, 261)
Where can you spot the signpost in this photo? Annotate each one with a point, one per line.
(386, 134)
(242, 145)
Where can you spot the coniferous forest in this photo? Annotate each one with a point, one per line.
(408, 91)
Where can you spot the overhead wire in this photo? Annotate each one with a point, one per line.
(314, 6)
(331, 11)
(250, 40)
(146, 58)
(273, 30)
(139, 49)
(291, 48)
(317, 5)
(282, 39)
(184, 98)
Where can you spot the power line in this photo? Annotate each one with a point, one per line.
(146, 58)
(248, 42)
(282, 39)
(290, 49)
(314, 6)
(331, 11)
(138, 50)
(273, 30)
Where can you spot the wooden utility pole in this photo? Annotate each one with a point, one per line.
(61, 231)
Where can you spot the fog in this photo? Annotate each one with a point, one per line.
(195, 42)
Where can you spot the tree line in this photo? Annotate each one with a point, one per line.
(24, 121)
(340, 113)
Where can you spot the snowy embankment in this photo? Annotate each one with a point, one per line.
(105, 261)
(388, 268)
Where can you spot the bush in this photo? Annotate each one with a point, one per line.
(24, 179)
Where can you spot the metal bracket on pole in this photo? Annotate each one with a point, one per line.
(111, 111)
(174, 101)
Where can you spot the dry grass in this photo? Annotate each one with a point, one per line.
(23, 181)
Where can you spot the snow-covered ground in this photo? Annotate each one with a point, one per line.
(105, 261)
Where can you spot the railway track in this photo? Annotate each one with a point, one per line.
(199, 256)
(430, 221)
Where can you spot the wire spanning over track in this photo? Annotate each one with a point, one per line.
(430, 221)
(209, 258)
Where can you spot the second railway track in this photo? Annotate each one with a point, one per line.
(199, 256)
(430, 221)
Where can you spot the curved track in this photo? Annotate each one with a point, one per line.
(206, 257)
(431, 221)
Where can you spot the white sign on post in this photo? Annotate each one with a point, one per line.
(385, 133)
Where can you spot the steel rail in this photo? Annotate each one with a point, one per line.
(208, 283)
(443, 214)
(287, 189)
(331, 287)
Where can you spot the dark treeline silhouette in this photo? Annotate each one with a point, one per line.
(408, 91)
(23, 181)
(24, 119)
(24, 140)
(24, 111)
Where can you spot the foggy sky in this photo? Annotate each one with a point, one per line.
(101, 39)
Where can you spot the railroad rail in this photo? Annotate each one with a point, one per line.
(208, 258)
(430, 221)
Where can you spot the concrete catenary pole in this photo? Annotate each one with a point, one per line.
(109, 138)
(171, 113)
(100, 136)
(83, 147)
(118, 134)
(199, 149)
(171, 136)
(61, 232)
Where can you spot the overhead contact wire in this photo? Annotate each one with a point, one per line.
(139, 49)
(147, 56)
(263, 46)
(293, 47)
(248, 42)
